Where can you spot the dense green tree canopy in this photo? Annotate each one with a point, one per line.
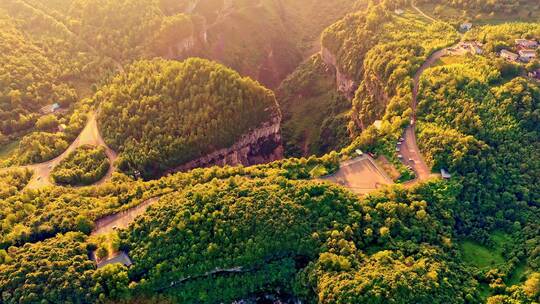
(84, 166)
(161, 114)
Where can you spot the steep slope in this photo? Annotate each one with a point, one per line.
(369, 57)
(314, 114)
(162, 114)
(376, 54)
(290, 33)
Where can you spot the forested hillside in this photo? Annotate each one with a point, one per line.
(315, 115)
(392, 87)
(482, 11)
(162, 114)
(298, 242)
(371, 57)
(380, 52)
(488, 132)
(291, 30)
(31, 77)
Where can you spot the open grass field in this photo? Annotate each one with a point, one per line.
(447, 60)
(480, 256)
(484, 257)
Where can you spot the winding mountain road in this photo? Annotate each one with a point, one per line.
(89, 136)
(409, 148)
(412, 155)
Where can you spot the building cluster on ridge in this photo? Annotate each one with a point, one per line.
(526, 51)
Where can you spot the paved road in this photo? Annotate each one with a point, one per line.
(409, 148)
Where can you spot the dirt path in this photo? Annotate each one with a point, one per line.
(89, 136)
(122, 219)
(423, 14)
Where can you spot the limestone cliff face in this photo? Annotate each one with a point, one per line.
(345, 84)
(260, 145)
(186, 46)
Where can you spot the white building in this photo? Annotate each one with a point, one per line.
(509, 55)
(467, 26)
(526, 43)
(527, 55)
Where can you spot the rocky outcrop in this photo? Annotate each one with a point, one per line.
(261, 145)
(344, 83)
(187, 46)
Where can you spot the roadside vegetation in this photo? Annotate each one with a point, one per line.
(482, 125)
(495, 11)
(12, 181)
(83, 166)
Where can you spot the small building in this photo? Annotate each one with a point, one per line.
(527, 55)
(399, 11)
(526, 43)
(509, 55)
(62, 128)
(119, 258)
(467, 26)
(445, 174)
(49, 108)
(535, 74)
(472, 47)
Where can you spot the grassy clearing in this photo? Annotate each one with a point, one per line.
(519, 274)
(480, 256)
(318, 171)
(484, 257)
(448, 60)
(7, 150)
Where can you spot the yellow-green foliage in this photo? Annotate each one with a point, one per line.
(84, 166)
(497, 37)
(163, 114)
(12, 181)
